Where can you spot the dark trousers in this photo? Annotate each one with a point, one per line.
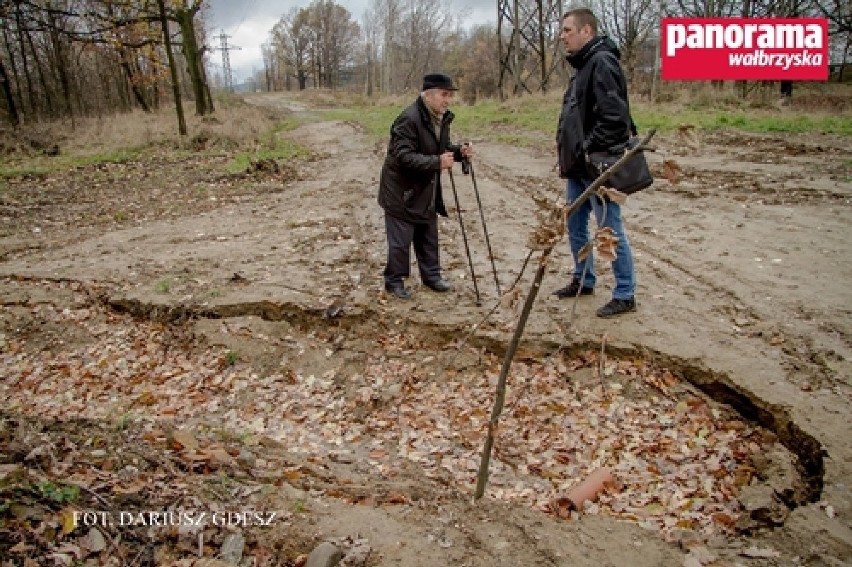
(401, 235)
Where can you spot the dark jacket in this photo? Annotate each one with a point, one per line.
(410, 184)
(595, 109)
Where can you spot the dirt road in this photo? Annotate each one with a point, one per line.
(743, 274)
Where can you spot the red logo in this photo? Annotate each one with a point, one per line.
(752, 49)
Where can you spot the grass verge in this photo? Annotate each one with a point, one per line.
(529, 120)
(275, 145)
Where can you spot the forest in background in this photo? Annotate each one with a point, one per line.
(74, 58)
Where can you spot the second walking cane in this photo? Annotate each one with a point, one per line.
(464, 237)
(467, 166)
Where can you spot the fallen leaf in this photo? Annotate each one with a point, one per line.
(184, 440)
(93, 542)
(671, 172)
(760, 553)
(19, 547)
(67, 521)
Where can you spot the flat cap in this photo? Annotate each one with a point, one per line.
(438, 81)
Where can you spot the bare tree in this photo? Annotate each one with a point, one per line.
(335, 37)
(292, 36)
(629, 23)
(14, 118)
(387, 15)
(424, 27)
(704, 8)
(372, 37)
(479, 68)
(56, 51)
(839, 14)
(317, 43)
(172, 69)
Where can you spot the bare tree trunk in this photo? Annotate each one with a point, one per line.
(25, 67)
(500, 90)
(131, 80)
(14, 118)
(47, 91)
(172, 69)
(370, 69)
(209, 97)
(541, 49)
(62, 63)
(122, 86)
(193, 55)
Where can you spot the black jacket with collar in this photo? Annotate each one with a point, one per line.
(410, 184)
(595, 109)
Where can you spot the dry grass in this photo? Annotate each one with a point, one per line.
(233, 125)
(323, 98)
(807, 97)
(237, 126)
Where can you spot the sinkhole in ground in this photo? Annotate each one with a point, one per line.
(689, 450)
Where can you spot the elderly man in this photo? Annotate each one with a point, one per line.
(410, 185)
(595, 117)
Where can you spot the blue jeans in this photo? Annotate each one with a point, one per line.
(578, 235)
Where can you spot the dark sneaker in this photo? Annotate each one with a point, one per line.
(571, 290)
(398, 291)
(617, 307)
(440, 286)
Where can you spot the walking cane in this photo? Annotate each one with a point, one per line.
(464, 237)
(467, 165)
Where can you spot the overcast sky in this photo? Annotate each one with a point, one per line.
(249, 22)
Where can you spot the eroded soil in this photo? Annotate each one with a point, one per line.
(272, 283)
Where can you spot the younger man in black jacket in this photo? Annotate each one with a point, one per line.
(595, 117)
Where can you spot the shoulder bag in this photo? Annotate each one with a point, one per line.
(631, 177)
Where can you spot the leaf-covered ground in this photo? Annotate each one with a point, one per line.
(195, 411)
(176, 337)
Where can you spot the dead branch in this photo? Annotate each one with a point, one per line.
(500, 397)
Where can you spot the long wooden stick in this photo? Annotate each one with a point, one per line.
(500, 398)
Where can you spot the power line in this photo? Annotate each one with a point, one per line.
(226, 59)
(249, 8)
(225, 48)
(530, 58)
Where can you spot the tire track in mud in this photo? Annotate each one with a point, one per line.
(798, 346)
(799, 349)
(779, 171)
(701, 183)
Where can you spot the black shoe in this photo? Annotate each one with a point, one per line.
(439, 285)
(571, 290)
(398, 291)
(617, 307)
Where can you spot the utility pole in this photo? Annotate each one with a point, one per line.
(530, 57)
(655, 77)
(226, 59)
